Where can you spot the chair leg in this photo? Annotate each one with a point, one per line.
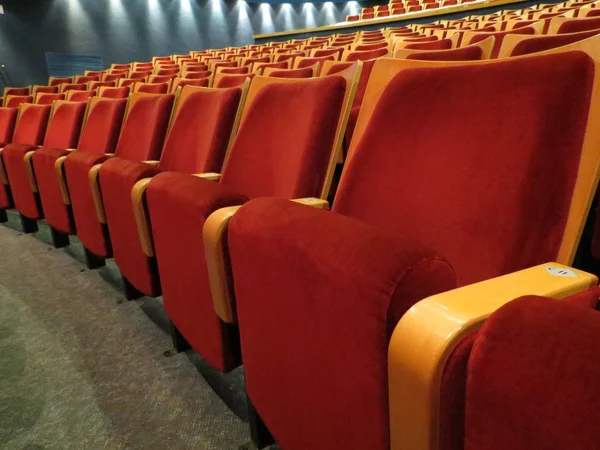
(180, 344)
(92, 261)
(3, 216)
(260, 434)
(28, 225)
(131, 293)
(59, 239)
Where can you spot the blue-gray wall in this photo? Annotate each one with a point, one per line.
(136, 30)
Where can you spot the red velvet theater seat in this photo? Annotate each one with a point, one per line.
(32, 121)
(43, 98)
(199, 135)
(439, 44)
(141, 139)
(229, 81)
(152, 88)
(458, 200)
(298, 115)
(516, 45)
(181, 82)
(73, 87)
(306, 72)
(560, 25)
(12, 101)
(56, 81)
(472, 37)
(519, 363)
(8, 120)
(366, 55)
(114, 92)
(80, 96)
(45, 89)
(63, 132)
(468, 53)
(99, 136)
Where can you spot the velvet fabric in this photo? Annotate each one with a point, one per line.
(46, 89)
(308, 268)
(438, 44)
(142, 136)
(551, 401)
(63, 132)
(529, 217)
(153, 88)
(48, 99)
(300, 119)
(292, 73)
(469, 53)
(73, 87)
(541, 43)
(369, 54)
(115, 93)
(80, 96)
(15, 100)
(498, 37)
(181, 82)
(229, 81)
(196, 143)
(577, 25)
(8, 120)
(59, 81)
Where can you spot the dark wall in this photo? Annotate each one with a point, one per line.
(136, 30)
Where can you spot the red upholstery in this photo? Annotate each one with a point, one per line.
(421, 39)
(277, 65)
(196, 143)
(17, 91)
(115, 93)
(46, 89)
(247, 62)
(168, 71)
(181, 82)
(114, 76)
(229, 81)
(292, 73)
(80, 96)
(439, 44)
(99, 136)
(59, 81)
(577, 25)
(48, 99)
(74, 87)
(63, 132)
(374, 46)
(369, 283)
(307, 62)
(499, 37)
(141, 139)
(153, 88)
(8, 119)
(554, 390)
(300, 117)
(139, 75)
(15, 100)
(363, 56)
(87, 78)
(29, 133)
(469, 53)
(313, 259)
(235, 70)
(541, 43)
(197, 75)
(161, 79)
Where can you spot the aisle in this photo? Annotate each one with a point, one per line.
(78, 370)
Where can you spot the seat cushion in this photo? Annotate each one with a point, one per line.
(56, 212)
(117, 178)
(90, 230)
(179, 205)
(24, 198)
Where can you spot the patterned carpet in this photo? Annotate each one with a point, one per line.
(80, 368)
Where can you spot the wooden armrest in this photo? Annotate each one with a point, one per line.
(96, 194)
(315, 202)
(3, 176)
(213, 176)
(71, 149)
(142, 219)
(29, 170)
(151, 163)
(429, 332)
(59, 166)
(217, 257)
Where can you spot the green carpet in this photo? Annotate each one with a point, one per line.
(81, 368)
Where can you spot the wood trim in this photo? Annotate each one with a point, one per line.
(427, 334)
(142, 218)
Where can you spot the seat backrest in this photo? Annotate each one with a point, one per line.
(516, 45)
(181, 82)
(102, 125)
(80, 96)
(42, 98)
(114, 92)
(228, 81)
(151, 88)
(32, 122)
(56, 81)
(468, 53)
(233, 70)
(438, 44)
(305, 72)
(98, 84)
(144, 127)
(519, 363)
(201, 127)
(559, 25)
(65, 122)
(8, 119)
(538, 213)
(16, 91)
(45, 89)
(472, 37)
(289, 136)
(12, 101)
(73, 87)
(331, 69)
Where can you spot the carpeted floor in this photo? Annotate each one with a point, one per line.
(81, 368)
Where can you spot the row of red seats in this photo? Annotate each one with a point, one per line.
(357, 326)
